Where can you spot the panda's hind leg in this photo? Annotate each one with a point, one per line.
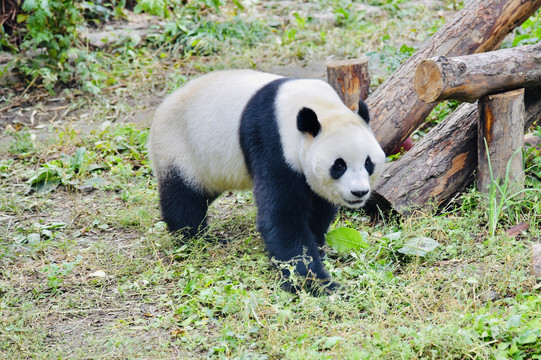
(184, 208)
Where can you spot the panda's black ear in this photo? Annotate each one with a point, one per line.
(363, 111)
(307, 122)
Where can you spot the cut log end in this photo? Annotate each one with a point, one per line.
(350, 79)
(517, 93)
(347, 62)
(428, 83)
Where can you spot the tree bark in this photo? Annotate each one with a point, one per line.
(480, 26)
(443, 161)
(468, 78)
(350, 79)
(500, 140)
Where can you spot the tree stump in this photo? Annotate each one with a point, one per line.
(350, 79)
(501, 139)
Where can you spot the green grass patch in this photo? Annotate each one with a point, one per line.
(91, 271)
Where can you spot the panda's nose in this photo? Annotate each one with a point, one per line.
(359, 193)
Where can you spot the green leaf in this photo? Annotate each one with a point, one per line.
(393, 236)
(519, 39)
(419, 246)
(22, 18)
(529, 337)
(78, 159)
(46, 180)
(333, 340)
(33, 238)
(345, 238)
(238, 4)
(29, 5)
(513, 322)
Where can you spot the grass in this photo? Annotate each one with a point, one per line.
(88, 271)
(154, 298)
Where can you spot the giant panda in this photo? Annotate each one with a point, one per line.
(293, 141)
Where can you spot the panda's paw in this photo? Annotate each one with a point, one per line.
(315, 287)
(323, 287)
(290, 287)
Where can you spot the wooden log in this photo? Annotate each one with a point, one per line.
(479, 27)
(500, 140)
(532, 141)
(350, 79)
(442, 162)
(468, 78)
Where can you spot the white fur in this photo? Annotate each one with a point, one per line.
(344, 134)
(196, 128)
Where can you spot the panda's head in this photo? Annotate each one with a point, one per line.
(340, 157)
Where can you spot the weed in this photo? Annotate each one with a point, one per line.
(514, 333)
(532, 162)
(529, 32)
(23, 143)
(501, 194)
(389, 57)
(52, 25)
(57, 273)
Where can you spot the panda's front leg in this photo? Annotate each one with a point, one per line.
(322, 214)
(284, 220)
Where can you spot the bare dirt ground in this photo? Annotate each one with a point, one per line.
(45, 114)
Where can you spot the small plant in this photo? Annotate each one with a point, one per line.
(514, 332)
(57, 273)
(64, 171)
(99, 11)
(532, 162)
(153, 7)
(196, 36)
(498, 198)
(529, 32)
(23, 143)
(501, 192)
(391, 57)
(52, 33)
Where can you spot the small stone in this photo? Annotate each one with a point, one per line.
(99, 273)
(490, 296)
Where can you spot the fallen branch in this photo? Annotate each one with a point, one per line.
(468, 78)
(479, 27)
(443, 161)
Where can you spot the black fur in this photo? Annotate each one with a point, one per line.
(338, 169)
(307, 122)
(291, 217)
(184, 208)
(363, 111)
(369, 166)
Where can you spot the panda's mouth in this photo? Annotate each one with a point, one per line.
(355, 203)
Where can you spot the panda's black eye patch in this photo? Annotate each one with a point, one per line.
(338, 169)
(369, 165)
